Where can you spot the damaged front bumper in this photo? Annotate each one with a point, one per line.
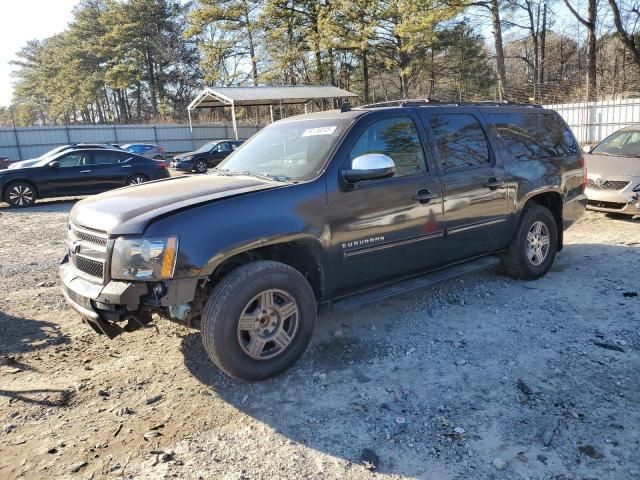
(120, 306)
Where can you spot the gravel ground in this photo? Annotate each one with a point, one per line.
(481, 378)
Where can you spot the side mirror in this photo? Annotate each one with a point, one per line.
(586, 148)
(54, 165)
(369, 166)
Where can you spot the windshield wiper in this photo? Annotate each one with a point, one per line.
(266, 176)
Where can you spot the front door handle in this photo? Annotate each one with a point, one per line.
(493, 183)
(126, 166)
(424, 196)
(85, 171)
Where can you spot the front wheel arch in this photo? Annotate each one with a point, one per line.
(19, 180)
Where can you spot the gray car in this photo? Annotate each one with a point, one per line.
(613, 179)
(149, 150)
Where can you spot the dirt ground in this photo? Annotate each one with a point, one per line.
(481, 378)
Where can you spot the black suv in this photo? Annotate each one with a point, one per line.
(208, 155)
(340, 207)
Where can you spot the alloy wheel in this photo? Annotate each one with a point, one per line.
(201, 167)
(136, 180)
(268, 324)
(538, 240)
(21, 195)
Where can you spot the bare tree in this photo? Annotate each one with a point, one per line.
(627, 37)
(590, 24)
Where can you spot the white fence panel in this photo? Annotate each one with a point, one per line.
(30, 142)
(593, 121)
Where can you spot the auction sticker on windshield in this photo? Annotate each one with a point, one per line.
(311, 132)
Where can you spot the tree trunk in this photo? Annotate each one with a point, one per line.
(152, 83)
(543, 42)
(497, 39)
(365, 75)
(252, 47)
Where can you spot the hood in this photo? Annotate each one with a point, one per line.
(22, 164)
(182, 156)
(129, 210)
(610, 167)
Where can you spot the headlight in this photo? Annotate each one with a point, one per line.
(144, 258)
(186, 159)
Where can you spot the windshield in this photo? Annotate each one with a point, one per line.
(291, 150)
(620, 144)
(206, 147)
(53, 152)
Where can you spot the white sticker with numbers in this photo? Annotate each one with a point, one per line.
(312, 132)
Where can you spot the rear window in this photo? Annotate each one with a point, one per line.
(534, 135)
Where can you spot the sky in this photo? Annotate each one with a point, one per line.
(24, 20)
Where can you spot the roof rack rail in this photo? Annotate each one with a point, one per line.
(424, 102)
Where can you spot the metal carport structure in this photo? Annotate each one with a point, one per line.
(220, 97)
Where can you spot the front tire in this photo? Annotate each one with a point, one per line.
(258, 321)
(20, 195)
(201, 166)
(534, 245)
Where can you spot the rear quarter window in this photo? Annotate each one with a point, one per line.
(534, 135)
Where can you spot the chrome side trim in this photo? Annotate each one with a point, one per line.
(471, 226)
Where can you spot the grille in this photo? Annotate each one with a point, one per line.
(87, 237)
(88, 250)
(88, 266)
(607, 185)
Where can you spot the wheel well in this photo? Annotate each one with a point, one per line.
(297, 254)
(17, 180)
(553, 201)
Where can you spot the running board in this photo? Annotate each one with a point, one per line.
(415, 283)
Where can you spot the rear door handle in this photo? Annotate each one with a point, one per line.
(424, 196)
(85, 171)
(493, 183)
(126, 166)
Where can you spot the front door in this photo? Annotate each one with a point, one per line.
(389, 227)
(72, 176)
(475, 194)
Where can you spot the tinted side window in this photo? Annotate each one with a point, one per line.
(224, 147)
(108, 158)
(534, 135)
(397, 138)
(75, 159)
(460, 140)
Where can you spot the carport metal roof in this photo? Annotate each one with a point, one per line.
(215, 97)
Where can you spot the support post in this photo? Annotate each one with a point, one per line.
(271, 112)
(305, 108)
(233, 119)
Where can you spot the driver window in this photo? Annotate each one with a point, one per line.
(75, 159)
(397, 138)
(224, 147)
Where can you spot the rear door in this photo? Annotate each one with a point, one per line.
(473, 180)
(111, 169)
(387, 228)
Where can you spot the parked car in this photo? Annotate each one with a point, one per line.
(334, 208)
(614, 173)
(77, 172)
(207, 156)
(4, 162)
(148, 150)
(57, 150)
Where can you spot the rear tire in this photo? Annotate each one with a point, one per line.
(258, 321)
(200, 166)
(534, 245)
(20, 194)
(137, 179)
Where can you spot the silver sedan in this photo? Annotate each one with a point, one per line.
(613, 179)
